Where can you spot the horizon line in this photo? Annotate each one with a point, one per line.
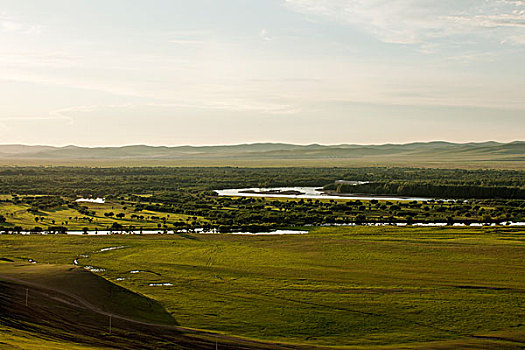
(263, 143)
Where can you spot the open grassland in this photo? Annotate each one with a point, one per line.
(347, 286)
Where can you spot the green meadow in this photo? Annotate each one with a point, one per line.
(345, 286)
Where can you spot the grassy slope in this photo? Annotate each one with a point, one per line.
(54, 319)
(340, 286)
(13, 338)
(69, 308)
(92, 288)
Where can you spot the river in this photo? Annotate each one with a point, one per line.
(307, 193)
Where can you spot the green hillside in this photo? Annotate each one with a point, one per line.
(65, 307)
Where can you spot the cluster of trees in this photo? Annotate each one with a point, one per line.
(426, 189)
(38, 203)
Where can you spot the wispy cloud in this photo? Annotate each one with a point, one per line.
(53, 115)
(232, 105)
(10, 24)
(186, 41)
(38, 58)
(417, 22)
(265, 35)
(189, 37)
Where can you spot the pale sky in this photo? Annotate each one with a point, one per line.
(202, 72)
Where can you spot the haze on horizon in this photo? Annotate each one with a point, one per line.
(203, 72)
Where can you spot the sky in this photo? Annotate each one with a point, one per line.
(204, 72)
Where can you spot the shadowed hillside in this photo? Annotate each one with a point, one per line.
(64, 307)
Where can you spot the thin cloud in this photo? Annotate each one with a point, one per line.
(10, 24)
(53, 115)
(186, 42)
(265, 35)
(410, 22)
(189, 37)
(491, 21)
(233, 105)
(38, 58)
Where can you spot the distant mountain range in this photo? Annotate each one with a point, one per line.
(438, 150)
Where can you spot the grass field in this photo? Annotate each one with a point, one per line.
(364, 286)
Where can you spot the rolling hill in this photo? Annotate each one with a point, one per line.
(438, 152)
(67, 307)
